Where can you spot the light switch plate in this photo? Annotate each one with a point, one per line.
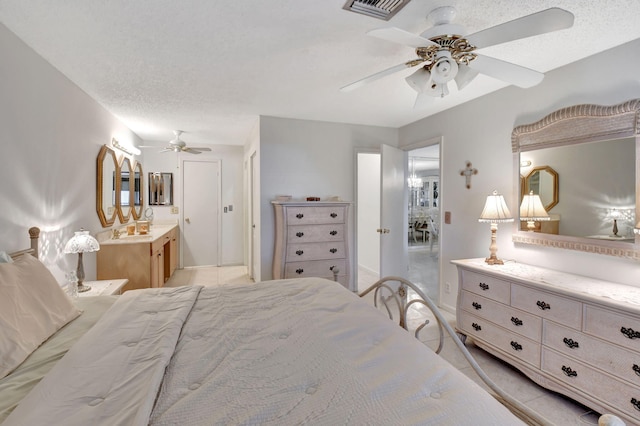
(174, 210)
(447, 218)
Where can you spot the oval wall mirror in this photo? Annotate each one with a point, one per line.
(106, 186)
(137, 199)
(123, 191)
(543, 180)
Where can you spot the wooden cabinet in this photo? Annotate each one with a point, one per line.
(572, 334)
(312, 240)
(145, 262)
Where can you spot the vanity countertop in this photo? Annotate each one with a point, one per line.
(155, 232)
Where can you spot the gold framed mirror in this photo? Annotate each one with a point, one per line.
(107, 164)
(137, 194)
(596, 149)
(543, 181)
(123, 190)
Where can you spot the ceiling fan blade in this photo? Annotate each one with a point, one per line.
(379, 75)
(542, 22)
(199, 148)
(166, 150)
(422, 100)
(506, 71)
(396, 35)
(191, 151)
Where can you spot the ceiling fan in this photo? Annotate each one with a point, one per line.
(445, 52)
(178, 145)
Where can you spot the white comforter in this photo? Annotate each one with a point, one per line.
(278, 352)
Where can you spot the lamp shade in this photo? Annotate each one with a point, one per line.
(532, 208)
(81, 242)
(495, 210)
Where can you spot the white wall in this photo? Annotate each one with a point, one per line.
(309, 158)
(480, 132)
(50, 138)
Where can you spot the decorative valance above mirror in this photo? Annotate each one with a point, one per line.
(596, 151)
(107, 164)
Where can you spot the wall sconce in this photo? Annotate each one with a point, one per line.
(532, 210)
(495, 211)
(130, 150)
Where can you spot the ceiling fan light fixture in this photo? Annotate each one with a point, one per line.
(419, 80)
(465, 76)
(437, 90)
(445, 69)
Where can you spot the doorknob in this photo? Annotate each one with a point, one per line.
(382, 231)
(187, 220)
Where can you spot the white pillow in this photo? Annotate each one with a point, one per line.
(33, 306)
(5, 258)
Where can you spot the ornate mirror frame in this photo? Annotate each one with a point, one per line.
(554, 184)
(575, 125)
(124, 212)
(106, 156)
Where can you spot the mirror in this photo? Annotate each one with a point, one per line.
(595, 151)
(137, 195)
(123, 194)
(160, 189)
(105, 186)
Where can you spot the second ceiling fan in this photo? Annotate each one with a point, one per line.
(178, 145)
(445, 53)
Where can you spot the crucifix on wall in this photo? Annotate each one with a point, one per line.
(467, 173)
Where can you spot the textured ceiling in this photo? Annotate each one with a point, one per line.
(212, 67)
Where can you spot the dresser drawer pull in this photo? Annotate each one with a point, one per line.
(334, 215)
(333, 250)
(299, 234)
(629, 333)
(300, 252)
(636, 369)
(333, 232)
(299, 215)
(516, 321)
(636, 403)
(299, 271)
(477, 306)
(569, 372)
(484, 286)
(542, 305)
(516, 346)
(570, 343)
(476, 327)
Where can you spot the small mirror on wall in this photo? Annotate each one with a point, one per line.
(160, 189)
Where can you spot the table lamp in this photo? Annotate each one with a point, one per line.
(495, 211)
(532, 210)
(81, 243)
(615, 215)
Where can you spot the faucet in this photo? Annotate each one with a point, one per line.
(115, 234)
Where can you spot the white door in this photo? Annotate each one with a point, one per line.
(200, 213)
(254, 215)
(393, 213)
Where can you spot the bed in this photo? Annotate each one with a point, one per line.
(297, 351)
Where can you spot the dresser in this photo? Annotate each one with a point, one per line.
(575, 335)
(312, 240)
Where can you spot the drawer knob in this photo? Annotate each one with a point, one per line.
(636, 369)
(516, 321)
(299, 271)
(333, 250)
(299, 234)
(334, 215)
(516, 346)
(477, 306)
(300, 252)
(333, 232)
(476, 327)
(629, 333)
(299, 215)
(542, 305)
(484, 286)
(570, 343)
(569, 372)
(636, 403)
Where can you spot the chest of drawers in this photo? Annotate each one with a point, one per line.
(572, 334)
(312, 240)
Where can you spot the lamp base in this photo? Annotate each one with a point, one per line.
(82, 288)
(493, 261)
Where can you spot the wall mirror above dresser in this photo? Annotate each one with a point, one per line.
(107, 164)
(593, 152)
(123, 194)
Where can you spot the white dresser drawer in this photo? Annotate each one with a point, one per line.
(315, 233)
(512, 319)
(316, 251)
(511, 343)
(315, 215)
(610, 358)
(612, 326)
(486, 286)
(581, 376)
(317, 268)
(547, 305)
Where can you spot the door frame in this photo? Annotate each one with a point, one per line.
(218, 221)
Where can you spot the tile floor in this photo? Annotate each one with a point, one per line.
(557, 408)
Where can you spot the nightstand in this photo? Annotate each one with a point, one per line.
(104, 287)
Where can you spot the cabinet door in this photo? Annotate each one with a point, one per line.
(157, 268)
(173, 254)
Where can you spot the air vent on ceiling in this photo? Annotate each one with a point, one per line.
(380, 9)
